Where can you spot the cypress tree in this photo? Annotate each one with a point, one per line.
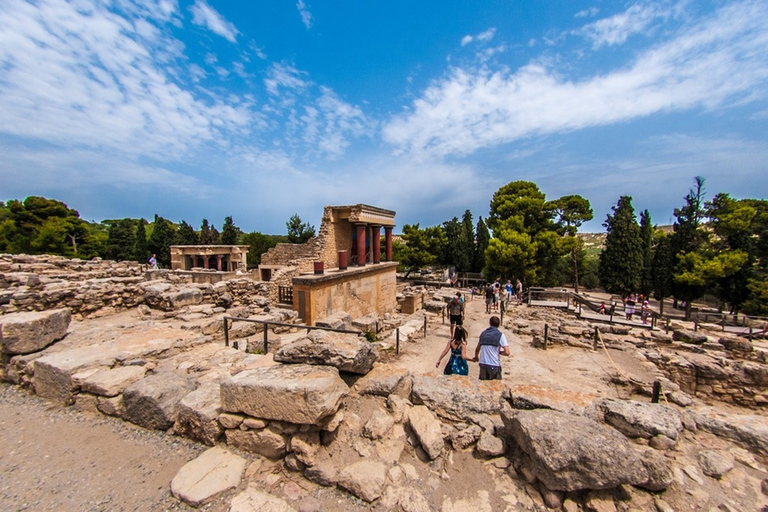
(482, 238)
(646, 237)
(186, 235)
(160, 242)
(621, 262)
(140, 249)
(229, 232)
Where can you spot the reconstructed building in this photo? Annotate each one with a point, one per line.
(341, 269)
(223, 258)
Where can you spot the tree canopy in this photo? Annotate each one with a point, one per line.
(299, 232)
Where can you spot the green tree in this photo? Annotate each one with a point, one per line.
(450, 254)
(646, 238)
(466, 243)
(160, 241)
(258, 244)
(621, 262)
(121, 240)
(209, 235)
(230, 232)
(662, 269)
(299, 232)
(186, 235)
(420, 247)
(571, 212)
(482, 239)
(140, 248)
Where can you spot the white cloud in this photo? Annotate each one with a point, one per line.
(466, 40)
(284, 76)
(588, 13)
(618, 28)
(486, 35)
(720, 61)
(206, 16)
(331, 122)
(306, 16)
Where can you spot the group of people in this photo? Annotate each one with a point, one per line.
(491, 345)
(633, 304)
(497, 296)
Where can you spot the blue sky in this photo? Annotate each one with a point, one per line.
(261, 109)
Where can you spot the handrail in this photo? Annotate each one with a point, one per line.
(267, 323)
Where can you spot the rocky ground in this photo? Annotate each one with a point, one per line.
(72, 458)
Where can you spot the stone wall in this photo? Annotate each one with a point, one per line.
(292, 254)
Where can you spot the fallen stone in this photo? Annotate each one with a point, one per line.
(378, 425)
(198, 416)
(714, 464)
(265, 442)
(637, 419)
(347, 352)
(111, 406)
(384, 380)
(364, 479)
(462, 439)
(24, 333)
(212, 473)
(529, 397)
(322, 473)
(340, 320)
(184, 297)
(736, 345)
(113, 381)
(305, 446)
(428, 429)
(153, 402)
(254, 500)
(456, 397)
(751, 430)
(659, 470)
(301, 394)
(489, 446)
(569, 453)
(687, 336)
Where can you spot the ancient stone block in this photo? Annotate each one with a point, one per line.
(198, 416)
(113, 381)
(153, 402)
(428, 429)
(265, 442)
(347, 352)
(457, 397)
(24, 333)
(637, 419)
(364, 479)
(212, 473)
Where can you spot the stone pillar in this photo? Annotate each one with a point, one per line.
(388, 242)
(376, 244)
(205, 261)
(218, 262)
(361, 232)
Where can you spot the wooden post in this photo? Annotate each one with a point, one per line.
(656, 392)
(235, 345)
(597, 334)
(425, 326)
(667, 327)
(723, 321)
(750, 334)
(546, 335)
(226, 332)
(696, 324)
(397, 341)
(266, 338)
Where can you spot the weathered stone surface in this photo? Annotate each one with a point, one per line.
(364, 479)
(347, 352)
(528, 397)
(305, 446)
(184, 297)
(153, 402)
(340, 320)
(751, 430)
(113, 381)
(111, 406)
(294, 393)
(383, 380)
(428, 429)
(378, 425)
(212, 473)
(659, 470)
(456, 397)
(198, 415)
(265, 442)
(228, 420)
(254, 500)
(736, 344)
(24, 333)
(687, 336)
(714, 464)
(322, 473)
(462, 439)
(569, 453)
(489, 446)
(637, 419)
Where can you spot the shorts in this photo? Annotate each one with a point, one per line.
(488, 372)
(456, 319)
(489, 300)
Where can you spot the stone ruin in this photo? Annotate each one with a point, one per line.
(339, 411)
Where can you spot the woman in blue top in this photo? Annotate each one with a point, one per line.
(457, 363)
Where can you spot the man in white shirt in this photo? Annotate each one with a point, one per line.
(492, 344)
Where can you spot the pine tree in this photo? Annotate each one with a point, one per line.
(229, 233)
(299, 232)
(121, 239)
(621, 262)
(662, 268)
(208, 234)
(185, 235)
(162, 238)
(646, 237)
(482, 238)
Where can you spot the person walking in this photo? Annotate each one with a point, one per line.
(488, 298)
(457, 363)
(456, 312)
(491, 345)
(519, 292)
(153, 262)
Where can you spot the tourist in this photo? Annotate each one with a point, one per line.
(629, 306)
(496, 293)
(457, 363)
(519, 292)
(153, 262)
(646, 312)
(509, 290)
(456, 311)
(492, 343)
(488, 298)
(602, 308)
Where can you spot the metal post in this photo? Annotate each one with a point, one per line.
(750, 334)
(397, 341)
(266, 338)
(443, 313)
(656, 392)
(226, 332)
(596, 337)
(425, 326)
(235, 345)
(546, 335)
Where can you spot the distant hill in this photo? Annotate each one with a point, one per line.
(594, 242)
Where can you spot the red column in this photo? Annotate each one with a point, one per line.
(388, 242)
(376, 243)
(361, 231)
(205, 261)
(218, 262)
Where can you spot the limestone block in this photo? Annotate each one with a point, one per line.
(198, 416)
(301, 394)
(112, 382)
(637, 419)
(378, 425)
(489, 446)
(265, 442)
(364, 479)
(212, 473)
(184, 297)
(153, 402)
(347, 352)
(457, 397)
(687, 336)
(24, 333)
(111, 406)
(428, 429)
(715, 464)
(569, 453)
(53, 372)
(305, 446)
(252, 499)
(383, 380)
